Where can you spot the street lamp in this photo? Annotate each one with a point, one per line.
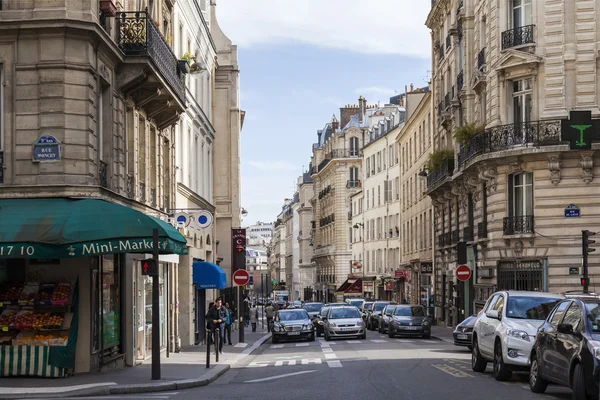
(422, 174)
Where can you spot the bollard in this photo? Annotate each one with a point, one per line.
(207, 348)
(217, 338)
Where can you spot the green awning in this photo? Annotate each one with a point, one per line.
(69, 228)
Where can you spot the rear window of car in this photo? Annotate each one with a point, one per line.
(409, 311)
(379, 306)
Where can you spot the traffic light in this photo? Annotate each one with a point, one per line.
(149, 267)
(585, 282)
(585, 242)
(461, 253)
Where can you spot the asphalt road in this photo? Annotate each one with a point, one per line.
(375, 368)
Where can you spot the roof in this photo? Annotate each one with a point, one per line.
(530, 294)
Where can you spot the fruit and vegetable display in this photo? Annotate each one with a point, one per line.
(45, 294)
(7, 318)
(61, 293)
(40, 321)
(10, 293)
(24, 320)
(29, 293)
(55, 321)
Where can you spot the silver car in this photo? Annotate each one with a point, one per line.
(344, 322)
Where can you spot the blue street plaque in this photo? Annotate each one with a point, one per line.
(572, 211)
(46, 148)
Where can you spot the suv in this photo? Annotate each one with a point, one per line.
(505, 332)
(566, 348)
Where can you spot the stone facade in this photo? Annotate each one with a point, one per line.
(307, 269)
(505, 190)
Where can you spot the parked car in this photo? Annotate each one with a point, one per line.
(463, 334)
(385, 317)
(356, 302)
(292, 324)
(373, 314)
(505, 331)
(365, 308)
(343, 322)
(567, 347)
(410, 321)
(313, 309)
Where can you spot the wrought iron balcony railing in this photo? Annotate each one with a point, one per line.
(505, 137)
(143, 192)
(138, 36)
(481, 59)
(482, 230)
(517, 36)
(455, 236)
(324, 163)
(353, 184)
(339, 153)
(435, 177)
(1, 167)
(460, 80)
(521, 224)
(103, 173)
(468, 233)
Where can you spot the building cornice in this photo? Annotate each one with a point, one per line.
(194, 197)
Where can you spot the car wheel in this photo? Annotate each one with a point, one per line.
(390, 332)
(578, 384)
(478, 363)
(501, 371)
(537, 384)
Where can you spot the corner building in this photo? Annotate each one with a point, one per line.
(527, 72)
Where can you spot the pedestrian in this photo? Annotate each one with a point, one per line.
(246, 312)
(217, 317)
(228, 325)
(270, 311)
(208, 325)
(253, 316)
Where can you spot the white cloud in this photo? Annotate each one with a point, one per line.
(371, 27)
(273, 166)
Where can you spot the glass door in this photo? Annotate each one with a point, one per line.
(521, 13)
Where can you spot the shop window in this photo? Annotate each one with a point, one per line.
(106, 305)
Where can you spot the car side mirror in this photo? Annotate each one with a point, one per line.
(494, 314)
(567, 329)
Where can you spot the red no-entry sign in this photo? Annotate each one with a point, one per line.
(463, 273)
(241, 277)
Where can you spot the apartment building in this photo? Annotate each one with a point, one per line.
(518, 185)
(306, 268)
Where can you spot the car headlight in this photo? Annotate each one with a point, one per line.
(320, 322)
(332, 324)
(595, 348)
(425, 323)
(519, 334)
(305, 327)
(279, 328)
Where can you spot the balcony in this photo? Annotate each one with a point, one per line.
(482, 230)
(324, 163)
(339, 153)
(518, 225)
(455, 236)
(103, 174)
(435, 177)
(481, 59)
(460, 80)
(517, 37)
(353, 184)
(468, 233)
(150, 75)
(1, 167)
(506, 137)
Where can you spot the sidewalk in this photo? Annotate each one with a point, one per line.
(182, 370)
(443, 333)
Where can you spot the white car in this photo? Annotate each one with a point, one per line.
(506, 329)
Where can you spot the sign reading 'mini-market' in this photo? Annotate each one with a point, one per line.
(133, 245)
(580, 130)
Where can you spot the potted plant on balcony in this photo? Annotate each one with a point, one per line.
(463, 134)
(184, 62)
(108, 8)
(439, 158)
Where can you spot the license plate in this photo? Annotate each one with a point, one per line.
(293, 333)
(347, 329)
(411, 328)
(462, 336)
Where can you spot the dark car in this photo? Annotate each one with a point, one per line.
(463, 334)
(364, 311)
(373, 314)
(385, 318)
(410, 321)
(292, 324)
(566, 349)
(313, 309)
(318, 320)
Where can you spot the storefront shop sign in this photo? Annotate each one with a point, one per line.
(140, 245)
(580, 130)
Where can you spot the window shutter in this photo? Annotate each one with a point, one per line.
(511, 191)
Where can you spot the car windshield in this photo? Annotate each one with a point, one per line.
(345, 312)
(367, 306)
(292, 315)
(356, 303)
(324, 310)
(389, 310)
(379, 306)
(414, 311)
(593, 314)
(522, 307)
(313, 307)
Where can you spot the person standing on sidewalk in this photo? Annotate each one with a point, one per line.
(253, 316)
(228, 325)
(270, 311)
(246, 312)
(217, 316)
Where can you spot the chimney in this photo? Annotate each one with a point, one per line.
(334, 123)
(362, 106)
(319, 133)
(412, 87)
(346, 114)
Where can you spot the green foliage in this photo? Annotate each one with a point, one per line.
(438, 158)
(463, 134)
(188, 56)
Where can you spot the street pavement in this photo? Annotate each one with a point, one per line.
(375, 368)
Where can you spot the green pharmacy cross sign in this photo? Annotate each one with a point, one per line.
(580, 130)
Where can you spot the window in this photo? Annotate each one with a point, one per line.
(378, 195)
(368, 167)
(383, 157)
(521, 275)
(520, 194)
(558, 313)
(378, 161)
(522, 103)
(397, 187)
(354, 175)
(521, 13)
(573, 317)
(354, 147)
(499, 306)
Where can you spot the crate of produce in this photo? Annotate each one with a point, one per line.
(6, 338)
(58, 340)
(40, 320)
(45, 294)
(10, 292)
(55, 321)
(41, 339)
(23, 339)
(29, 293)
(23, 320)
(7, 318)
(61, 293)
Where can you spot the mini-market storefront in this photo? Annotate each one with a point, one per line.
(63, 268)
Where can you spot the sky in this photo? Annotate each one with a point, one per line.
(300, 61)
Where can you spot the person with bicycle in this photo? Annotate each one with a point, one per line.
(217, 318)
(270, 312)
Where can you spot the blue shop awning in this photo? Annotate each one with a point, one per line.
(206, 275)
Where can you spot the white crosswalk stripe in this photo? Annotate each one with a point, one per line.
(277, 346)
(329, 355)
(354, 341)
(379, 341)
(334, 364)
(302, 344)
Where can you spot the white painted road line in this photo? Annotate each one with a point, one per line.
(404, 341)
(354, 341)
(334, 364)
(277, 346)
(327, 350)
(329, 355)
(280, 376)
(379, 341)
(301, 344)
(241, 345)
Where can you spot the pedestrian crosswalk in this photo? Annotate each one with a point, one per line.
(289, 345)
